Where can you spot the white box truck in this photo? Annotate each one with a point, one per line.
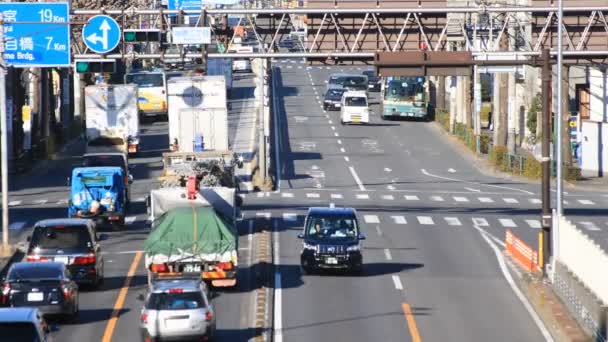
(198, 114)
(112, 118)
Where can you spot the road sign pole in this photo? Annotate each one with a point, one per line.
(3, 141)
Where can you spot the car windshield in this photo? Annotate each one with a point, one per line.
(31, 271)
(331, 227)
(176, 301)
(354, 81)
(369, 73)
(405, 88)
(337, 80)
(19, 331)
(335, 93)
(61, 237)
(148, 80)
(356, 101)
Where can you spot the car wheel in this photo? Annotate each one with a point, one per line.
(306, 270)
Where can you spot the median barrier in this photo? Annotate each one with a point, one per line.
(522, 254)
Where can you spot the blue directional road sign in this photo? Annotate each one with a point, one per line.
(36, 34)
(184, 5)
(101, 34)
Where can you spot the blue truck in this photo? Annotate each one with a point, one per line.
(98, 193)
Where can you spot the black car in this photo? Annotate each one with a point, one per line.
(44, 285)
(332, 99)
(373, 81)
(72, 241)
(331, 240)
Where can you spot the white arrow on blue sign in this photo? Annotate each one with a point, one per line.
(101, 34)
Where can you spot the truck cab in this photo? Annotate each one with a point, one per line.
(354, 107)
(331, 240)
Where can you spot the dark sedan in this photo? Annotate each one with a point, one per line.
(45, 285)
(332, 99)
(373, 81)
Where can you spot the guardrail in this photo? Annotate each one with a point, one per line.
(521, 253)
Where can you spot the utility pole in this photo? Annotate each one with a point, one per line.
(3, 141)
(545, 159)
(558, 118)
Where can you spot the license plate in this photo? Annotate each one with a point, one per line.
(338, 105)
(35, 297)
(331, 261)
(62, 259)
(355, 120)
(192, 268)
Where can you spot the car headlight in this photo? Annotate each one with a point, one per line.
(353, 248)
(309, 246)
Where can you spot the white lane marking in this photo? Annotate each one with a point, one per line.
(480, 222)
(451, 170)
(510, 200)
(390, 187)
(333, 128)
(387, 254)
(397, 282)
(399, 219)
(460, 199)
(387, 169)
(330, 122)
(426, 220)
(535, 201)
(534, 224)
(411, 198)
(356, 177)
(339, 142)
(336, 134)
(371, 219)
(501, 261)
(265, 215)
(452, 221)
(337, 196)
(313, 195)
(378, 231)
(130, 219)
(586, 202)
(437, 198)
(507, 223)
(362, 196)
(278, 298)
(342, 150)
(590, 226)
(286, 195)
(17, 225)
(425, 172)
(472, 190)
(388, 197)
(346, 159)
(41, 201)
(14, 203)
(485, 200)
(122, 252)
(290, 217)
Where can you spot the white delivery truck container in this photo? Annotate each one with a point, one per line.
(112, 118)
(198, 114)
(221, 67)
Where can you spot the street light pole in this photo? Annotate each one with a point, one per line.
(3, 141)
(558, 116)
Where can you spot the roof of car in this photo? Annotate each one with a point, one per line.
(357, 93)
(332, 211)
(64, 222)
(46, 264)
(185, 284)
(23, 314)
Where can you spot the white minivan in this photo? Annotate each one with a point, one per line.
(354, 107)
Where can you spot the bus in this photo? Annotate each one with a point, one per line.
(151, 91)
(404, 96)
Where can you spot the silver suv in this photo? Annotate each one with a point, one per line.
(177, 309)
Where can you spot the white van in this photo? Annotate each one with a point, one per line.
(354, 107)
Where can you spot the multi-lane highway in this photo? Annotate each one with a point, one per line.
(435, 227)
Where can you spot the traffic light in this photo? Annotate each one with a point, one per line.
(96, 66)
(142, 35)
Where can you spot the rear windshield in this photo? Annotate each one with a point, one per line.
(93, 161)
(19, 332)
(356, 102)
(35, 272)
(67, 237)
(146, 80)
(176, 301)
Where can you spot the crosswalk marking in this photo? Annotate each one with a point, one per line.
(452, 221)
(586, 202)
(590, 226)
(286, 195)
(411, 198)
(265, 215)
(480, 221)
(510, 200)
(41, 201)
(399, 219)
(535, 201)
(426, 220)
(371, 219)
(260, 194)
(291, 217)
(130, 219)
(437, 198)
(533, 224)
(337, 196)
(362, 196)
(485, 200)
(388, 197)
(460, 199)
(313, 195)
(507, 223)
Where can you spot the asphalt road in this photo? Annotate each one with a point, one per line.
(435, 226)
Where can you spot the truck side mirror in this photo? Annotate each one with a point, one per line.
(301, 236)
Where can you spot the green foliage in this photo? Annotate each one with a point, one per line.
(443, 118)
(532, 168)
(535, 107)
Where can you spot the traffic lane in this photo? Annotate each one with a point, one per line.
(338, 305)
(309, 158)
(460, 288)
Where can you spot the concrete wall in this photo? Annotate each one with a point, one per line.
(598, 87)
